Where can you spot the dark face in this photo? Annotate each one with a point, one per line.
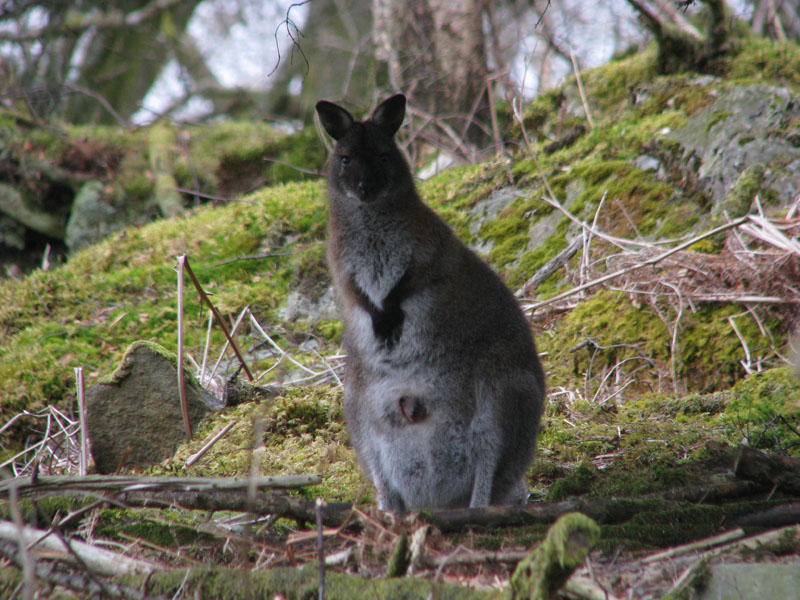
(366, 164)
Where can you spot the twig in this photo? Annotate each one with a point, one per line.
(550, 267)
(320, 549)
(217, 316)
(748, 363)
(102, 561)
(84, 454)
(716, 540)
(181, 376)
(235, 327)
(199, 454)
(648, 262)
(303, 170)
(254, 257)
(205, 348)
(279, 349)
(472, 558)
(580, 89)
(25, 557)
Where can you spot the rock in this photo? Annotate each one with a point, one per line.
(29, 213)
(310, 308)
(138, 406)
(745, 581)
(744, 127)
(92, 218)
(12, 233)
(645, 162)
(486, 210)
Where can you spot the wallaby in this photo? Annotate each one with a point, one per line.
(443, 387)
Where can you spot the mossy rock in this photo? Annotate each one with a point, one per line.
(134, 416)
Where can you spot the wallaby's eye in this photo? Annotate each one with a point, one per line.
(345, 160)
(384, 157)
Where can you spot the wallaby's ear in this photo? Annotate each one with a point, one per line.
(334, 118)
(390, 114)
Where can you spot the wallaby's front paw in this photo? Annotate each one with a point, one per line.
(388, 326)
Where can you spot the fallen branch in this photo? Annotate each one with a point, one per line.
(649, 262)
(603, 510)
(95, 484)
(99, 560)
(775, 470)
(788, 514)
(550, 267)
(87, 585)
(698, 545)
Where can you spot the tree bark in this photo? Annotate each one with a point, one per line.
(108, 70)
(436, 54)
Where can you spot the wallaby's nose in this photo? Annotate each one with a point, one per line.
(362, 187)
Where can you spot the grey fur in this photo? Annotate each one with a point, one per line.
(444, 389)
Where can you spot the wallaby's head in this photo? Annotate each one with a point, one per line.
(366, 164)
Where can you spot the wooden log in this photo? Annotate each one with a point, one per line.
(273, 502)
(97, 484)
(99, 560)
(775, 470)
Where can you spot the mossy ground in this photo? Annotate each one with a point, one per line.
(629, 413)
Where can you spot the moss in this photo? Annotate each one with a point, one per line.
(667, 528)
(542, 573)
(615, 330)
(765, 409)
(290, 583)
(310, 270)
(400, 559)
(153, 527)
(610, 86)
(577, 482)
(303, 432)
(67, 317)
(738, 201)
(719, 116)
(41, 512)
(763, 60)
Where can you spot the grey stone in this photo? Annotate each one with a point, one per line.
(486, 210)
(12, 233)
(27, 210)
(138, 406)
(93, 217)
(308, 308)
(744, 127)
(645, 162)
(746, 581)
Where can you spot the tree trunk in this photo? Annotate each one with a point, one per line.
(334, 60)
(109, 71)
(436, 54)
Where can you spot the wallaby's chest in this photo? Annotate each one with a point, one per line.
(374, 253)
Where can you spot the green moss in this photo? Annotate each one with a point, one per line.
(291, 583)
(763, 60)
(765, 409)
(719, 116)
(68, 317)
(543, 572)
(577, 482)
(153, 527)
(310, 270)
(738, 201)
(303, 433)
